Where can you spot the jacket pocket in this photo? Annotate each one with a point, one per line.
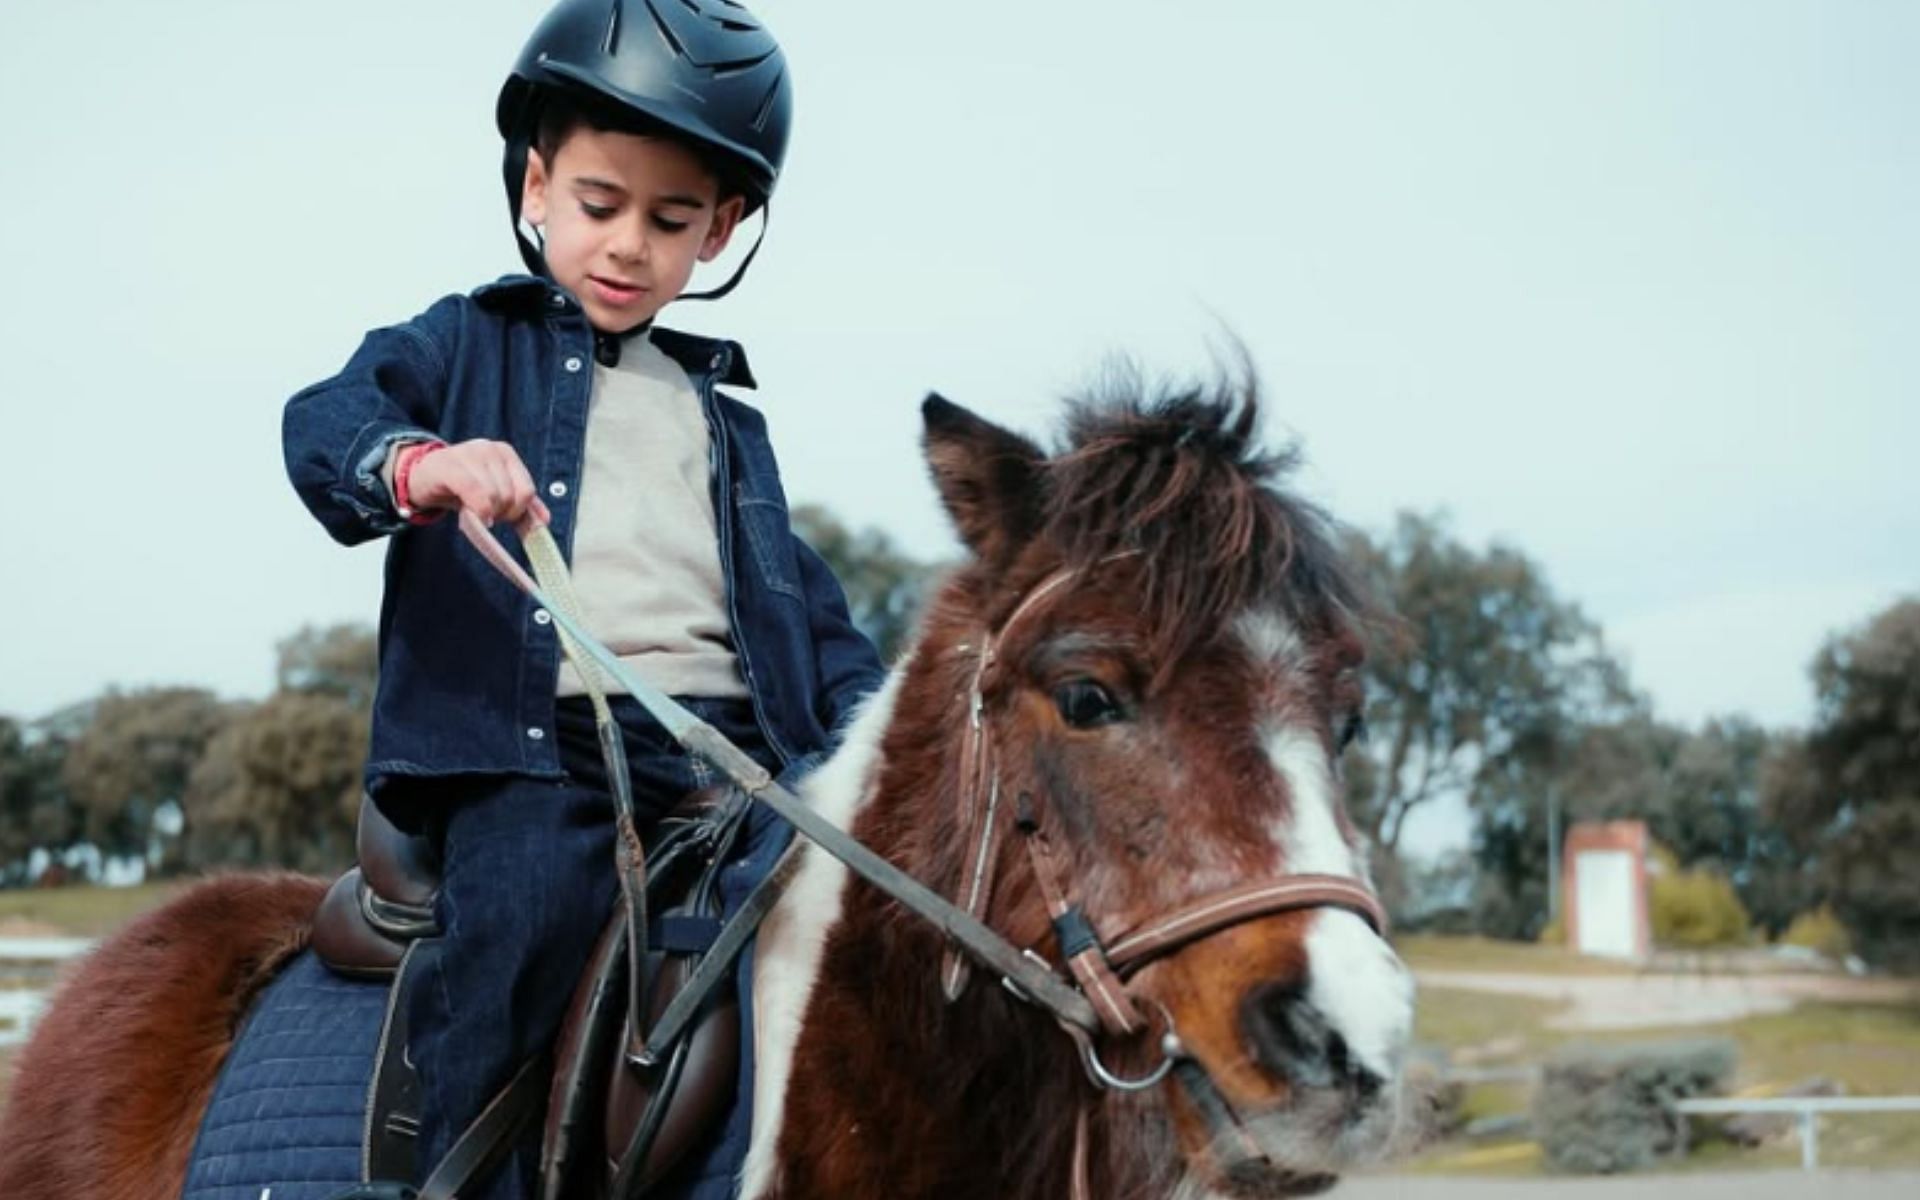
(769, 540)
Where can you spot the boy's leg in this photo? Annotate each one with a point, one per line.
(527, 886)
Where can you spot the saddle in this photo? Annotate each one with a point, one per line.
(614, 1127)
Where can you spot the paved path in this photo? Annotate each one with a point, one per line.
(1650, 1001)
(1745, 1185)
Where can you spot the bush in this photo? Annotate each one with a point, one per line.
(1697, 909)
(1819, 931)
(1601, 1110)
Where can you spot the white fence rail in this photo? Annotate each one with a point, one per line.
(1807, 1108)
(20, 1007)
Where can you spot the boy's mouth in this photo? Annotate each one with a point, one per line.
(615, 292)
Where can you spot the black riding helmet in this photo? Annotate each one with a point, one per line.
(706, 69)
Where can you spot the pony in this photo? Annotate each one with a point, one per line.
(1131, 697)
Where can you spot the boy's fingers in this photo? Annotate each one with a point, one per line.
(524, 496)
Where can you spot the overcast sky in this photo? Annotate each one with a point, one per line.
(1632, 286)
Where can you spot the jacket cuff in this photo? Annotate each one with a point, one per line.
(364, 491)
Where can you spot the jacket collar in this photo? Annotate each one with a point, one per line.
(525, 295)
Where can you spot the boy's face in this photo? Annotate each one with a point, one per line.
(626, 219)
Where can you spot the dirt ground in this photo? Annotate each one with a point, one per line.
(1655, 1000)
(1765, 1185)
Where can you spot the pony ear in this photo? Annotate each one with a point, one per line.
(989, 478)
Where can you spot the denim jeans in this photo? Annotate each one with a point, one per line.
(527, 886)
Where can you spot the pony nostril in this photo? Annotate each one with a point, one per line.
(1289, 1036)
(1292, 1039)
(1337, 1060)
(1367, 1085)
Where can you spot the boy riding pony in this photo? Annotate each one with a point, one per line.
(639, 134)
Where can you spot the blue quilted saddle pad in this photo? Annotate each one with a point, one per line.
(289, 1111)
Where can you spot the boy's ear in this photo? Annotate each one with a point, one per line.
(989, 477)
(533, 191)
(726, 218)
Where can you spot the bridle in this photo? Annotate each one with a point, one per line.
(1100, 965)
(1096, 1002)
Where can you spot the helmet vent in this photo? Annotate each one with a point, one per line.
(610, 44)
(666, 32)
(743, 23)
(768, 101)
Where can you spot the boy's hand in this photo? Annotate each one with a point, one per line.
(483, 477)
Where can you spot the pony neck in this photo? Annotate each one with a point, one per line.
(882, 1088)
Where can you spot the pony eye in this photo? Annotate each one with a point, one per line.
(1353, 729)
(1084, 704)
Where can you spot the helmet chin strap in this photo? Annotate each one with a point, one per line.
(739, 272)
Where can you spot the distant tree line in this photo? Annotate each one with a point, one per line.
(1486, 685)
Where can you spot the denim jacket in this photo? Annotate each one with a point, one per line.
(468, 662)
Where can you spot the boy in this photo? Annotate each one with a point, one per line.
(638, 134)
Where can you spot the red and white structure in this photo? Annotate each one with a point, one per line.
(1604, 894)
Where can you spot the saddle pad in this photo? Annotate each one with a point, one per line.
(290, 1108)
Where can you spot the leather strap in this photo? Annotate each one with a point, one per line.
(492, 1135)
(1223, 909)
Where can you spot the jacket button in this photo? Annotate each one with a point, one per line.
(557, 489)
(557, 300)
(573, 365)
(536, 733)
(542, 617)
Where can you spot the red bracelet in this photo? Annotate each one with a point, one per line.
(403, 464)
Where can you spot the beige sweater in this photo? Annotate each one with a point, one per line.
(646, 556)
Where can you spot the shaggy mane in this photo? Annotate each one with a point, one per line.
(1176, 474)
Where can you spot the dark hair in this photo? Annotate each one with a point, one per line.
(563, 113)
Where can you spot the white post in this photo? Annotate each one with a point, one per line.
(1809, 1140)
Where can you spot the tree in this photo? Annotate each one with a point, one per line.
(1483, 668)
(280, 785)
(884, 584)
(127, 772)
(1852, 790)
(338, 660)
(35, 811)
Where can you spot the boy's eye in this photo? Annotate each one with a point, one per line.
(665, 225)
(598, 212)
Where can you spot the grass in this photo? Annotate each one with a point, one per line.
(84, 911)
(1870, 1049)
(1428, 952)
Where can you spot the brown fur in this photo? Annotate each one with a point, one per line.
(108, 1095)
(1171, 516)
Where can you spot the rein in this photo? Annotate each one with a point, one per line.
(1097, 1002)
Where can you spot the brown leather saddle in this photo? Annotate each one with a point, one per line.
(614, 1127)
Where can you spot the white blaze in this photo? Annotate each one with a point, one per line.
(1354, 978)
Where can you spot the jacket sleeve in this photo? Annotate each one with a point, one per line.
(336, 433)
(849, 666)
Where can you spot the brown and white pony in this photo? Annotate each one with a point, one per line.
(1167, 711)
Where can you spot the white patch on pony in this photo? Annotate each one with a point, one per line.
(1271, 639)
(1355, 979)
(793, 938)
